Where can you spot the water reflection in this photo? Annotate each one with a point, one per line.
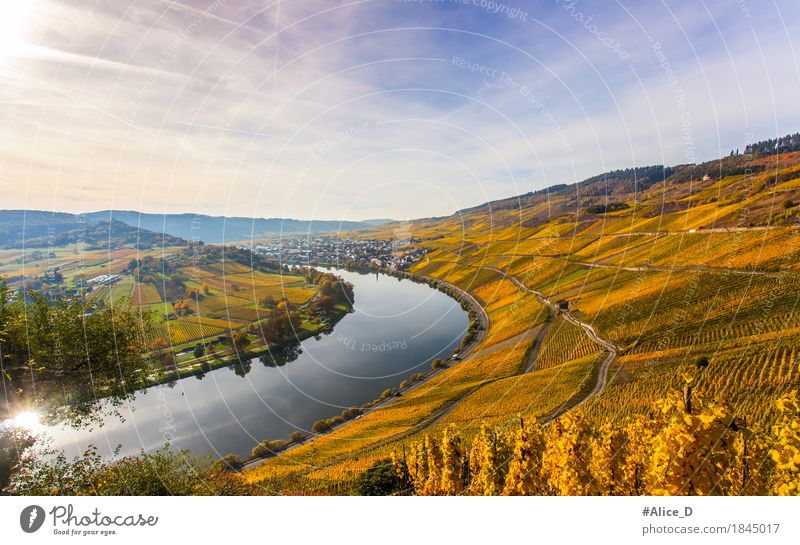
(397, 328)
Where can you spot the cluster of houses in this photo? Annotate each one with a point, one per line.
(104, 280)
(390, 254)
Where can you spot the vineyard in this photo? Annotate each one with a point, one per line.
(677, 450)
(564, 342)
(145, 294)
(697, 280)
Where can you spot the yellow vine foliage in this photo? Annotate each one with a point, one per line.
(418, 467)
(434, 465)
(524, 477)
(637, 437)
(692, 452)
(487, 462)
(748, 474)
(453, 463)
(786, 449)
(565, 455)
(674, 450)
(606, 463)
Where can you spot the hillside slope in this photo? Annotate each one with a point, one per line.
(697, 261)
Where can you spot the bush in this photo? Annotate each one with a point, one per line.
(321, 426)
(199, 351)
(267, 447)
(379, 480)
(162, 473)
(13, 442)
(606, 208)
(788, 203)
(229, 462)
(438, 364)
(387, 393)
(352, 412)
(335, 421)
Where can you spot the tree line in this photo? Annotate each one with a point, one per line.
(774, 146)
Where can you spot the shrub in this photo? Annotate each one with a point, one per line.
(388, 393)
(606, 208)
(229, 462)
(379, 480)
(162, 473)
(352, 412)
(267, 447)
(320, 426)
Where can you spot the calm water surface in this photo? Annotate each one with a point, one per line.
(397, 329)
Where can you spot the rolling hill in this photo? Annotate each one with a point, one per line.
(35, 228)
(221, 229)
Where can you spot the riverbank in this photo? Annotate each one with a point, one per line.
(476, 332)
(257, 349)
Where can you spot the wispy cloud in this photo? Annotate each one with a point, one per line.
(380, 108)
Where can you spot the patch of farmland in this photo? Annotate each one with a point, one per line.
(145, 294)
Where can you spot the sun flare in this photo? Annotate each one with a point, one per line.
(27, 420)
(15, 20)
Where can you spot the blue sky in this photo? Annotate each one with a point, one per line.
(374, 108)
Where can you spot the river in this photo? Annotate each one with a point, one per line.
(397, 328)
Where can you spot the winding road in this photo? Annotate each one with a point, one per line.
(611, 351)
(610, 354)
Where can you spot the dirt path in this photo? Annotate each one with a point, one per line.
(610, 353)
(609, 356)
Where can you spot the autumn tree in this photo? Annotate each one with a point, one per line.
(240, 341)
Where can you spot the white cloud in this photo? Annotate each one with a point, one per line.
(238, 108)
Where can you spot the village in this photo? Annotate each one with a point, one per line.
(378, 253)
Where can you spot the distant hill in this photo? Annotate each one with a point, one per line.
(377, 222)
(626, 183)
(19, 225)
(217, 229)
(36, 228)
(105, 234)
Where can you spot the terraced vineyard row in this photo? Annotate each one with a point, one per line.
(183, 331)
(748, 379)
(564, 342)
